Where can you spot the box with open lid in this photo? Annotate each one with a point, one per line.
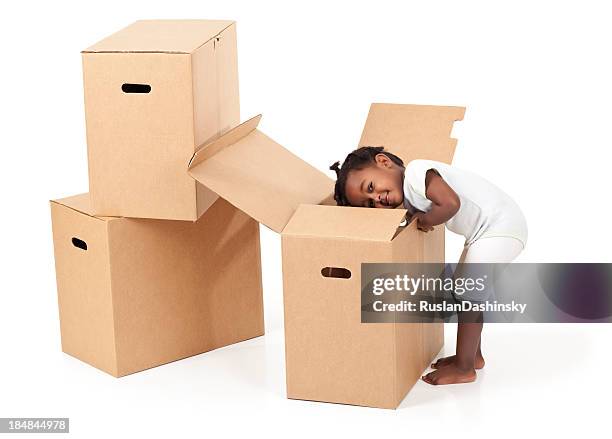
(330, 355)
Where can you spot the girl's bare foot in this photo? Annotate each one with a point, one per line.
(450, 374)
(479, 362)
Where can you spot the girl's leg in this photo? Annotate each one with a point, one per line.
(461, 335)
(460, 368)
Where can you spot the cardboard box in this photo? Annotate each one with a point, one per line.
(330, 355)
(154, 91)
(136, 293)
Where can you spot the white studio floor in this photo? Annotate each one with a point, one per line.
(540, 379)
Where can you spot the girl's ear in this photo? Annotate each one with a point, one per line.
(382, 160)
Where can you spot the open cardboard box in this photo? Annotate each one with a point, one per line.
(152, 91)
(330, 355)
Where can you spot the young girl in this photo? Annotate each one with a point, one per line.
(434, 193)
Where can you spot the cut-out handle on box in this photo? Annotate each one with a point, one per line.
(79, 243)
(338, 272)
(136, 88)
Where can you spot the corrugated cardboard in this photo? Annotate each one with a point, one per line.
(330, 355)
(258, 176)
(138, 143)
(138, 293)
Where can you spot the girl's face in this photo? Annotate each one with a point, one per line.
(378, 185)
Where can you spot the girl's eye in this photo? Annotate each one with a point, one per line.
(370, 187)
(371, 203)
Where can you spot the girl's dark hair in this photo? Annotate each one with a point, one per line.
(358, 159)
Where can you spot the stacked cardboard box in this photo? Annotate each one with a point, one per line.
(151, 266)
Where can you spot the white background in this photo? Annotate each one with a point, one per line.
(535, 78)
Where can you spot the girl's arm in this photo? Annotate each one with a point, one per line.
(445, 202)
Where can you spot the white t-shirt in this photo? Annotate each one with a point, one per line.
(485, 209)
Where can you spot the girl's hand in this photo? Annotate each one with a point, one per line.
(422, 223)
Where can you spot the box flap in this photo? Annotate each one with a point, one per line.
(345, 222)
(81, 203)
(258, 176)
(412, 131)
(164, 36)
